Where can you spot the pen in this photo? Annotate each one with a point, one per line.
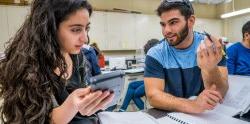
(209, 37)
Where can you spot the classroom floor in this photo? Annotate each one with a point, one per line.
(131, 108)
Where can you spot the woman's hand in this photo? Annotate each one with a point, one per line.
(64, 113)
(86, 102)
(94, 102)
(81, 100)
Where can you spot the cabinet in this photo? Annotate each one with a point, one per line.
(98, 28)
(146, 28)
(4, 31)
(11, 19)
(112, 31)
(123, 31)
(16, 16)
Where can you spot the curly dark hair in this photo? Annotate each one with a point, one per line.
(150, 44)
(27, 71)
(185, 7)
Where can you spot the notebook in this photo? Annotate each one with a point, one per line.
(126, 118)
(236, 101)
(203, 118)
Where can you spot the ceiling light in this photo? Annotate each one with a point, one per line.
(235, 13)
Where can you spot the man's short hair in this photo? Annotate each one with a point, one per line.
(150, 44)
(184, 6)
(246, 28)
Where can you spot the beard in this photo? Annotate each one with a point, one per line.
(180, 36)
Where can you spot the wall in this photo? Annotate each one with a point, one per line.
(150, 6)
(212, 26)
(234, 25)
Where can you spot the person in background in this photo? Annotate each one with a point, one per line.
(100, 55)
(91, 56)
(184, 64)
(43, 60)
(136, 89)
(238, 62)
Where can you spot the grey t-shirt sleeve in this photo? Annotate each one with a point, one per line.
(54, 101)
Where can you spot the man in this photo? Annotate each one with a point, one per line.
(238, 61)
(185, 64)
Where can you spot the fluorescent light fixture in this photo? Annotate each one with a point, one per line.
(235, 13)
(191, 0)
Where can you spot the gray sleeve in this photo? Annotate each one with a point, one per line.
(54, 101)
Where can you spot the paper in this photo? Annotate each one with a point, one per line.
(126, 118)
(204, 118)
(237, 98)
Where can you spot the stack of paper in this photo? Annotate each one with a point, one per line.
(126, 118)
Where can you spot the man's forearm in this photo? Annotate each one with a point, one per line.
(216, 77)
(169, 102)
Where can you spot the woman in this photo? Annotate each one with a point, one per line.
(44, 74)
(101, 59)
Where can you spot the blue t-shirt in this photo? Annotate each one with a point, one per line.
(178, 67)
(238, 61)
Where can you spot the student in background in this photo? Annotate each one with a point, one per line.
(100, 55)
(238, 62)
(42, 60)
(91, 56)
(184, 64)
(136, 89)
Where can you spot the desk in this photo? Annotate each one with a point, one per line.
(129, 77)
